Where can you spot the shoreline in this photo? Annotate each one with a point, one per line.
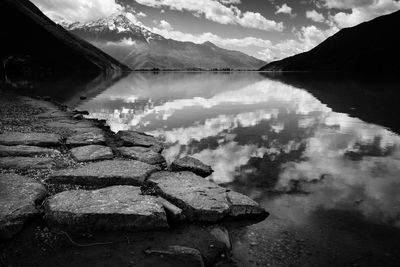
(204, 216)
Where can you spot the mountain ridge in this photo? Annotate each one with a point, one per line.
(368, 47)
(140, 48)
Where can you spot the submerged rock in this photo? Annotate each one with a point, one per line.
(133, 138)
(18, 198)
(26, 151)
(192, 165)
(25, 163)
(186, 256)
(202, 200)
(86, 138)
(143, 154)
(105, 173)
(91, 153)
(32, 139)
(111, 208)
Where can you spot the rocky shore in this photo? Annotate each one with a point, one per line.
(73, 176)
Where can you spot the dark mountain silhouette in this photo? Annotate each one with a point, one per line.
(140, 48)
(368, 47)
(33, 44)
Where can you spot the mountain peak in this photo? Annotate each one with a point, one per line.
(208, 43)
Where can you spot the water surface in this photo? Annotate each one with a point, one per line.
(313, 152)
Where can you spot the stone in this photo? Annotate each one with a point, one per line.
(32, 139)
(202, 200)
(26, 151)
(186, 256)
(143, 154)
(112, 208)
(78, 117)
(174, 213)
(91, 153)
(192, 165)
(222, 235)
(26, 163)
(105, 173)
(18, 198)
(86, 138)
(70, 125)
(133, 138)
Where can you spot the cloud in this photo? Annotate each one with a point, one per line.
(315, 16)
(218, 12)
(307, 38)
(285, 9)
(78, 10)
(358, 11)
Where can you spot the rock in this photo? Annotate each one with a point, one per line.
(32, 139)
(105, 173)
(83, 112)
(70, 125)
(77, 117)
(192, 165)
(18, 197)
(174, 213)
(25, 163)
(86, 138)
(28, 151)
(222, 235)
(91, 153)
(133, 138)
(143, 154)
(54, 114)
(186, 256)
(202, 200)
(111, 208)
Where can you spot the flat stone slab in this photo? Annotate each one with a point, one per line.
(26, 163)
(186, 256)
(70, 124)
(91, 153)
(192, 165)
(18, 198)
(105, 173)
(133, 138)
(143, 154)
(86, 138)
(202, 200)
(111, 208)
(26, 151)
(32, 139)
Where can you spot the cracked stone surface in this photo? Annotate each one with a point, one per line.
(192, 165)
(18, 198)
(26, 151)
(202, 200)
(133, 138)
(105, 173)
(143, 154)
(32, 139)
(111, 208)
(91, 153)
(25, 163)
(86, 138)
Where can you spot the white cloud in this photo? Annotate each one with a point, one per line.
(315, 16)
(218, 12)
(358, 11)
(78, 10)
(284, 9)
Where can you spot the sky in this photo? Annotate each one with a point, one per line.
(266, 29)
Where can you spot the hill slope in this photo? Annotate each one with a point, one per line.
(140, 48)
(34, 43)
(370, 46)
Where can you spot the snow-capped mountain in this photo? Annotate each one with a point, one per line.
(127, 40)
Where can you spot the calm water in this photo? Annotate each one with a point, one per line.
(318, 154)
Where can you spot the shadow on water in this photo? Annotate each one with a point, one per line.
(374, 99)
(66, 89)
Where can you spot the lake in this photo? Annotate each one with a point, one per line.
(321, 154)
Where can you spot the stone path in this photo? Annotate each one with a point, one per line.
(105, 173)
(193, 165)
(135, 194)
(18, 198)
(111, 208)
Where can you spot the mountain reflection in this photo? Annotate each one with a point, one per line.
(264, 138)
